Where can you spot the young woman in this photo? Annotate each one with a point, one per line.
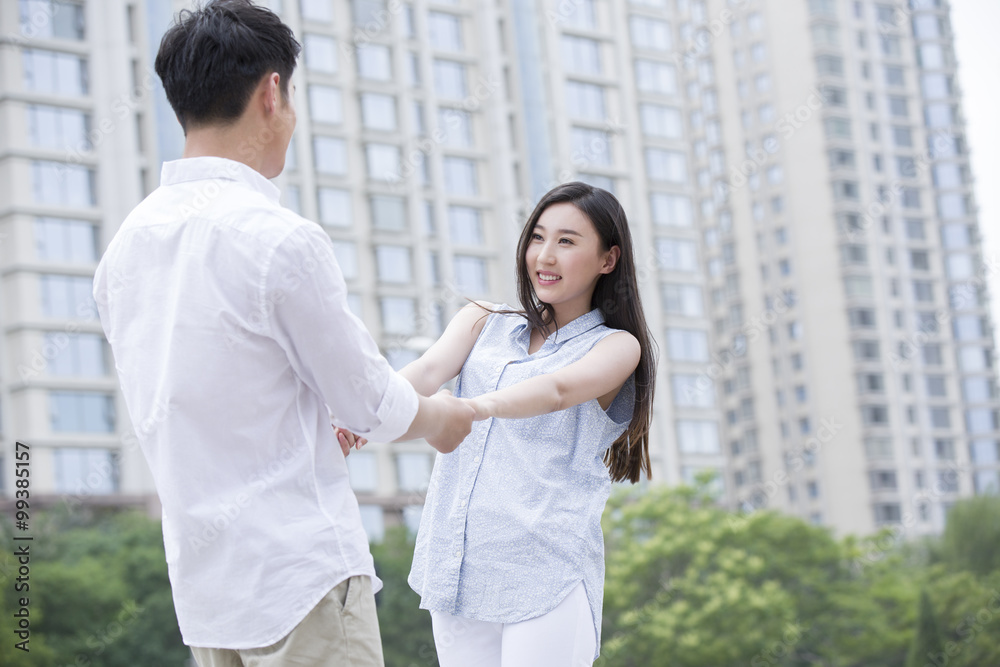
(510, 556)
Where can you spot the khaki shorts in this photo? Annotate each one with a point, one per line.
(341, 630)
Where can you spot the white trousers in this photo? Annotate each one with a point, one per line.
(564, 637)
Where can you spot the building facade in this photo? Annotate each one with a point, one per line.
(795, 175)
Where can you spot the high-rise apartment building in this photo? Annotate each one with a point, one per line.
(795, 175)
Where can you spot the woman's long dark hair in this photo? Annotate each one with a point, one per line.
(617, 296)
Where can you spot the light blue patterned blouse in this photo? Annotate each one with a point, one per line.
(512, 519)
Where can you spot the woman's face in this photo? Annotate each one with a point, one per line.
(565, 258)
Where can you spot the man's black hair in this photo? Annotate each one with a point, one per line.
(211, 59)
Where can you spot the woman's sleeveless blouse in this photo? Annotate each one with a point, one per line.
(512, 518)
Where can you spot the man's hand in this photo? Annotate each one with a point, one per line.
(348, 440)
(453, 421)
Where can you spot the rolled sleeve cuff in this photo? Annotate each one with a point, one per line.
(396, 411)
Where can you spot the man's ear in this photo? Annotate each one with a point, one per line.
(272, 92)
(611, 261)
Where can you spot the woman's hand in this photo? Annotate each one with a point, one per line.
(480, 408)
(348, 440)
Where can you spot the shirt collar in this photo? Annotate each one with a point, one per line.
(214, 168)
(580, 325)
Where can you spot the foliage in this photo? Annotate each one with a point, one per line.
(99, 593)
(971, 539)
(407, 640)
(687, 584)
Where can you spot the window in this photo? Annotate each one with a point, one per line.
(590, 147)
(320, 53)
(67, 297)
(373, 521)
(62, 240)
(687, 344)
(887, 513)
(866, 350)
(830, 65)
(981, 420)
(758, 52)
(661, 121)
(54, 73)
(837, 128)
(460, 176)
(923, 290)
(334, 207)
(666, 165)
(585, 101)
(75, 355)
(330, 155)
(583, 15)
(445, 31)
(346, 253)
(581, 55)
(388, 212)
(319, 11)
(456, 127)
(671, 210)
(920, 260)
(650, 33)
(52, 19)
(378, 111)
(935, 86)
(466, 225)
(683, 300)
(875, 415)
(362, 467)
(932, 354)
(698, 436)
(374, 62)
(393, 264)
(939, 115)
(677, 255)
(368, 13)
(883, 480)
(383, 162)
(85, 471)
(470, 274)
(894, 76)
(81, 412)
(969, 327)
(413, 471)
(62, 184)
(655, 77)
(871, 383)
(449, 79)
(58, 128)
(398, 315)
(325, 104)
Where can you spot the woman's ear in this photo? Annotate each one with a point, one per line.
(611, 259)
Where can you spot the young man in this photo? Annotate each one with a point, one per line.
(234, 345)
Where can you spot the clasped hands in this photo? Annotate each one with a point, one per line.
(349, 440)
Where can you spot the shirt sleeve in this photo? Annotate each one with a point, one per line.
(328, 347)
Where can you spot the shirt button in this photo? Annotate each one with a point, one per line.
(458, 554)
(476, 460)
(461, 503)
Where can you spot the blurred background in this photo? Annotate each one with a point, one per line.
(814, 261)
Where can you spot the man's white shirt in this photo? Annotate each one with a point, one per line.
(228, 320)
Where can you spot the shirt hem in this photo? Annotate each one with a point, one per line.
(285, 629)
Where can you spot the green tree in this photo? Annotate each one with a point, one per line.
(971, 539)
(100, 592)
(928, 640)
(687, 580)
(407, 639)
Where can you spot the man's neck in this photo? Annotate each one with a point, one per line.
(230, 143)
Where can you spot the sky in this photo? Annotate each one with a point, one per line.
(976, 24)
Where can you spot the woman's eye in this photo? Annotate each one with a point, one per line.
(536, 237)
(567, 241)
